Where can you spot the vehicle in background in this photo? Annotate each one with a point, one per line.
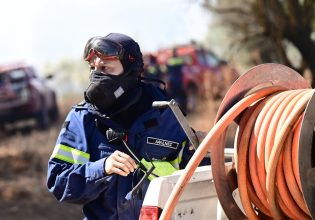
(24, 95)
(204, 74)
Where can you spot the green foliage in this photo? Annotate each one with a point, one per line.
(269, 30)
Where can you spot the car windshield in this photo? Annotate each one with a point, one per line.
(201, 58)
(16, 75)
(212, 60)
(15, 79)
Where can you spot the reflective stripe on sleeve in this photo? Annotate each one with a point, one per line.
(69, 154)
(175, 61)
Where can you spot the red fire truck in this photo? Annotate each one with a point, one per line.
(204, 74)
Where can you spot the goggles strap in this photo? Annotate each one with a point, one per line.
(91, 54)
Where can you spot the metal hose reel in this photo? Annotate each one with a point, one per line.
(262, 76)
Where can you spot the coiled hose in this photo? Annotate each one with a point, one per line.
(266, 160)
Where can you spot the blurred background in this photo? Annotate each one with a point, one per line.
(42, 73)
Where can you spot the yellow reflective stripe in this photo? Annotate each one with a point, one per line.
(69, 154)
(162, 168)
(175, 61)
(152, 70)
(74, 151)
(61, 157)
(175, 163)
(165, 168)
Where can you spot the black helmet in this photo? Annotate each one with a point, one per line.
(119, 45)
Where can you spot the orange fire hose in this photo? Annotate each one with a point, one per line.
(284, 108)
(266, 145)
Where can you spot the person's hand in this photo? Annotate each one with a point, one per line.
(119, 163)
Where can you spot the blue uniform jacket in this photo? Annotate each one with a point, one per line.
(76, 167)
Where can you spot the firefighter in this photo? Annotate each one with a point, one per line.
(176, 89)
(113, 143)
(152, 69)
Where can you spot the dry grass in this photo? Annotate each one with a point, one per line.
(23, 168)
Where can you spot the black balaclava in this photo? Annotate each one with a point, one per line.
(114, 93)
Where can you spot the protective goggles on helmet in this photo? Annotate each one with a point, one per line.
(104, 49)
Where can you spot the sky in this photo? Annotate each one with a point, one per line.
(41, 31)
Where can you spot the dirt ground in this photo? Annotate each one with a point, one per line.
(24, 153)
(23, 165)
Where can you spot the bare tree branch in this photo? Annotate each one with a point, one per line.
(229, 10)
(275, 20)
